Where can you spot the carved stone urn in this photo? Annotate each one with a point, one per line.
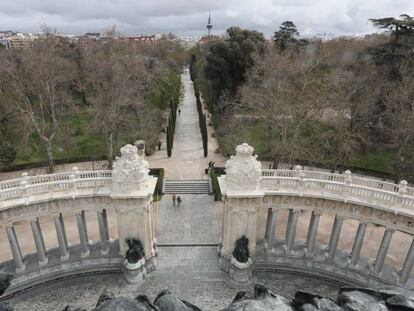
(243, 170)
(130, 171)
(134, 272)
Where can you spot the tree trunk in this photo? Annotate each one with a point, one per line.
(110, 150)
(50, 164)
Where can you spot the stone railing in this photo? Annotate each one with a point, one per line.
(344, 199)
(125, 192)
(364, 190)
(26, 188)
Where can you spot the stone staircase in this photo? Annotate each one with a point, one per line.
(187, 186)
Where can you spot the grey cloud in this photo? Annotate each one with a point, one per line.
(188, 17)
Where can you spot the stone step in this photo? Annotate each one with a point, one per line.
(187, 186)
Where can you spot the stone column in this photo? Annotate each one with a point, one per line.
(39, 242)
(62, 223)
(289, 223)
(61, 235)
(335, 234)
(268, 222)
(359, 241)
(383, 250)
(15, 248)
(312, 232)
(291, 231)
(271, 228)
(408, 265)
(82, 235)
(103, 231)
(83, 214)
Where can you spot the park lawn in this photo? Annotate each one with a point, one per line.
(379, 160)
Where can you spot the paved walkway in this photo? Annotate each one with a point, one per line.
(187, 161)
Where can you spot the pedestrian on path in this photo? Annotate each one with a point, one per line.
(179, 112)
(179, 200)
(159, 145)
(173, 198)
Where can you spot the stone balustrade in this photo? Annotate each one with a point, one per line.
(126, 192)
(341, 197)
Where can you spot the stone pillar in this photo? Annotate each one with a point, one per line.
(62, 223)
(359, 241)
(15, 248)
(271, 228)
(383, 250)
(82, 235)
(61, 235)
(335, 234)
(288, 225)
(83, 214)
(291, 231)
(39, 242)
(103, 231)
(131, 190)
(242, 196)
(312, 232)
(408, 265)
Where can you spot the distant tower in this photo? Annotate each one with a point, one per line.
(209, 25)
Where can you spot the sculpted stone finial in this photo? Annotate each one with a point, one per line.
(243, 171)
(129, 171)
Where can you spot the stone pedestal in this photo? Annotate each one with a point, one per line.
(240, 272)
(134, 272)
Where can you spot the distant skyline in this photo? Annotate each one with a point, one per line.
(186, 18)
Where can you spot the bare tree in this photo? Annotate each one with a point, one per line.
(38, 87)
(115, 78)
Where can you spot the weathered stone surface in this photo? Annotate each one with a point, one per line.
(261, 300)
(401, 303)
(124, 304)
(167, 302)
(308, 302)
(357, 301)
(105, 296)
(5, 306)
(5, 280)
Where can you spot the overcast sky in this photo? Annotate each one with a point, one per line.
(189, 17)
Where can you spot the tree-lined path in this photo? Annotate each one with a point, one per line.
(187, 161)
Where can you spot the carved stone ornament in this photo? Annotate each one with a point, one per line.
(129, 170)
(243, 171)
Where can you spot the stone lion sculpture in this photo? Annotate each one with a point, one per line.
(241, 249)
(136, 250)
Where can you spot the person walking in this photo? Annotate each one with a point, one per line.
(173, 198)
(179, 112)
(159, 145)
(179, 200)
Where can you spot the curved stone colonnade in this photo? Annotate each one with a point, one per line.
(127, 190)
(247, 189)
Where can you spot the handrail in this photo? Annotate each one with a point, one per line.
(40, 184)
(342, 186)
(321, 175)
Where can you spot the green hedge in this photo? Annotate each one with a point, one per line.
(214, 173)
(158, 172)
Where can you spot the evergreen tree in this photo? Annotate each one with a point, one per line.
(169, 141)
(287, 37)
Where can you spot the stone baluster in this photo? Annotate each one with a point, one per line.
(24, 185)
(359, 241)
(39, 242)
(334, 239)
(291, 231)
(82, 235)
(74, 178)
(103, 231)
(61, 236)
(15, 248)
(62, 222)
(383, 250)
(408, 265)
(312, 233)
(271, 228)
